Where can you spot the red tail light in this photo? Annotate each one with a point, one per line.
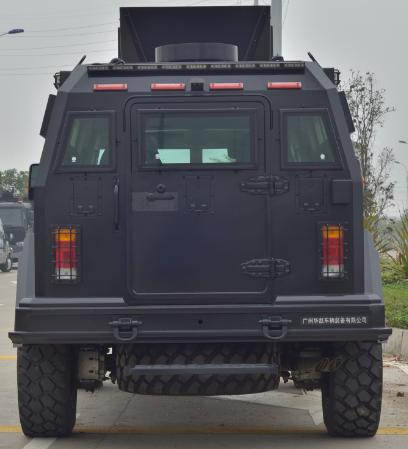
(332, 251)
(66, 252)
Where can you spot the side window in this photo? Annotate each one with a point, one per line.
(88, 142)
(308, 138)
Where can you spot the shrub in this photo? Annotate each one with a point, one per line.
(400, 239)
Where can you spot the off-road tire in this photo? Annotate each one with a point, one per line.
(7, 265)
(351, 395)
(194, 384)
(47, 394)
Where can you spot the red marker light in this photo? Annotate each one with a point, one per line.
(109, 87)
(285, 85)
(226, 86)
(168, 86)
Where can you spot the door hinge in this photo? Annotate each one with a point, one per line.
(266, 268)
(262, 185)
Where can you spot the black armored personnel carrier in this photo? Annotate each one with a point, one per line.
(198, 228)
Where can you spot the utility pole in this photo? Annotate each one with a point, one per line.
(404, 142)
(276, 25)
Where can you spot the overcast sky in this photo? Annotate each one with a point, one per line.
(366, 35)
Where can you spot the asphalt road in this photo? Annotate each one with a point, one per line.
(287, 418)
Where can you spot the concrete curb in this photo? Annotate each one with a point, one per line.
(397, 344)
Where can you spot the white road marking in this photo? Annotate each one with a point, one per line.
(39, 443)
(316, 415)
(297, 400)
(14, 282)
(1, 305)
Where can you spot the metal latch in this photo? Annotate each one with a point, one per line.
(266, 268)
(266, 185)
(125, 329)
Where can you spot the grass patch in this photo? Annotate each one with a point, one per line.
(396, 304)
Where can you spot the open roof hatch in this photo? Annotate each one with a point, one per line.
(142, 30)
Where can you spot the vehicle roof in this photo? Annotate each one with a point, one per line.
(139, 77)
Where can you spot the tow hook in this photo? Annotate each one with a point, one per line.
(125, 329)
(274, 328)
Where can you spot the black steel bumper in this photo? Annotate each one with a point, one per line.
(111, 320)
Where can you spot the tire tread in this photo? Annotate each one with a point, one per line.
(193, 384)
(46, 390)
(351, 395)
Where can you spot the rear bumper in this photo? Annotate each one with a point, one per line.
(306, 318)
(17, 252)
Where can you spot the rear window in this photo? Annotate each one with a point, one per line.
(11, 216)
(88, 142)
(308, 138)
(197, 137)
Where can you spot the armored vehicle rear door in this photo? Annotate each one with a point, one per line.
(199, 206)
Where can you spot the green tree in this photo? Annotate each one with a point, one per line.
(14, 181)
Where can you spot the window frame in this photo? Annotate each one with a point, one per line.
(70, 116)
(337, 164)
(254, 137)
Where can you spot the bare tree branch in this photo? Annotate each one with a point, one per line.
(368, 109)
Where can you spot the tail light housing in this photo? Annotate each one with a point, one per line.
(66, 254)
(332, 251)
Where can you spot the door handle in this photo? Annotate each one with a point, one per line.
(159, 196)
(116, 204)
